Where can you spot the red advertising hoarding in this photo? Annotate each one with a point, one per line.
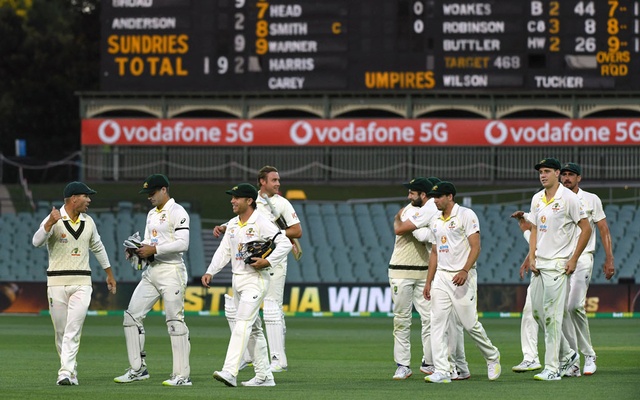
(360, 132)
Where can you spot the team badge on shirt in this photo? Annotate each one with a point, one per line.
(63, 238)
(75, 252)
(250, 233)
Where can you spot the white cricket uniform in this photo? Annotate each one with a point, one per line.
(528, 325)
(452, 245)
(69, 280)
(556, 222)
(250, 287)
(273, 313)
(575, 325)
(166, 277)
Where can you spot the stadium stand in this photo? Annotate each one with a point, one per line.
(342, 242)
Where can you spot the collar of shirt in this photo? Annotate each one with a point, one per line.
(454, 212)
(166, 205)
(65, 216)
(251, 220)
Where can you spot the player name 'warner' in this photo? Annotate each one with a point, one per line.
(293, 46)
(471, 45)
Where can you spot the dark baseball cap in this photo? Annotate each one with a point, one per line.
(154, 182)
(77, 188)
(552, 163)
(421, 184)
(441, 188)
(571, 167)
(244, 190)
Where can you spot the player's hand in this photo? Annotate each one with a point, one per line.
(206, 279)
(460, 278)
(111, 285)
(532, 266)
(609, 269)
(219, 230)
(260, 263)
(426, 292)
(518, 215)
(570, 267)
(146, 251)
(524, 268)
(54, 216)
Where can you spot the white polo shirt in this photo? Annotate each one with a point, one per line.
(592, 206)
(425, 214)
(168, 230)
(556, 221)
(451, 235)
(283, 208)
(257, 228)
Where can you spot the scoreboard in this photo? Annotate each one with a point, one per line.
(369, 46)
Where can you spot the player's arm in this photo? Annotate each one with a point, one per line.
(293, 231)
(533, 240)
(401, 227)
(605, 235)
(462, 276)
(583, 240)
(433, 265)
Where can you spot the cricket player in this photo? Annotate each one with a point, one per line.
(273, 313)
(575, 325)
(452, 283)
(69, 234)
(166, 239)
(250, 283)
(554, 249)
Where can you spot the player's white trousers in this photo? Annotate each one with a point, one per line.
(548, 310)
(447, 298)
(528, 325)
(249, 291)
(169, 282)
(68, 307)
(278, 327)
(575, 325)
(407, 293)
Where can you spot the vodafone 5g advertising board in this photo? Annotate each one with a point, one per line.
(360, 132)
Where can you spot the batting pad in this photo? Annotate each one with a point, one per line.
(180, 346)
(230, 311)
(275, 330)
(134, 337)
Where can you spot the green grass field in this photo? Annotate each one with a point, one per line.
(329, 358)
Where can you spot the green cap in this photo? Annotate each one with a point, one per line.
(154, 182)
(421, 184)
(77, 188)
(442, 188)
(552, 163)
(244, 190)
(571, 167)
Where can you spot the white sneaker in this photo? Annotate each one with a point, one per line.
(527, 365)
(573, 371)
(438, 377)
(427, 368)
(276, 367)
(457, 375)
(569, 363)
(225, 377)
(547, 375)
(268, 381)
(494, 369)
(132, 376)
(177, 380)
(402, 373)
(66, 380)
(589, 365)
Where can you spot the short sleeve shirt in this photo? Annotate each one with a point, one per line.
(451, 237)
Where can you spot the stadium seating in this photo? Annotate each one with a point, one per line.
(342, 243)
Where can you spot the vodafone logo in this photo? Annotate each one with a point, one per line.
(496, 133)
(109, 131)
(301, 133)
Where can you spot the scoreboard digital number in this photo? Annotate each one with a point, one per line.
(370, 45)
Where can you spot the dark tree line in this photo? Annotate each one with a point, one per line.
(47, 54)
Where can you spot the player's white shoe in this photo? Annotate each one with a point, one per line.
(66, 380)
(275, 365)
(427, 368)
(589, 365)
(402, 373)
(457, 375)
(573, 371)
(569, 363)
(131, 376)
(494, 369)
(267, 381)
(226, 378)
(438, 377)
(527, 365)
(177, 380)
(547, 375)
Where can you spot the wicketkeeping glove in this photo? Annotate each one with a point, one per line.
(258, 248)
(133, 243)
